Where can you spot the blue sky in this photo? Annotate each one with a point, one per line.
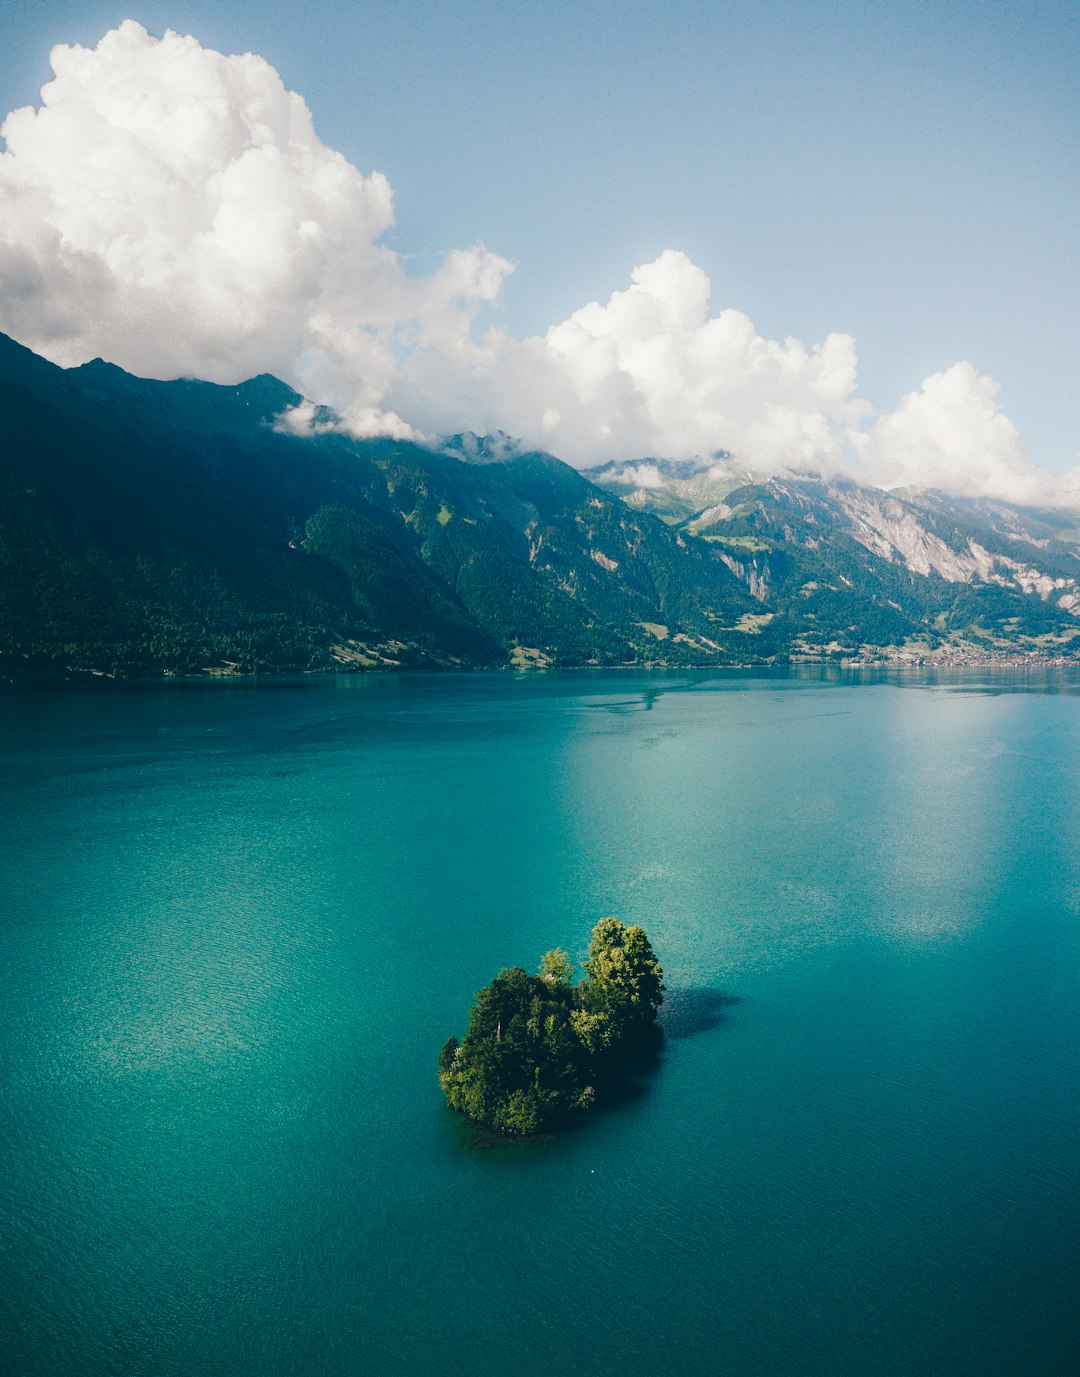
(906, 173)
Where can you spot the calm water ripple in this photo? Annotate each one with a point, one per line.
(238, 922)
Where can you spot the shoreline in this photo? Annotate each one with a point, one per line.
(79, 679)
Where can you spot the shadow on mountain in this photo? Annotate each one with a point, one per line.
(692, 1009)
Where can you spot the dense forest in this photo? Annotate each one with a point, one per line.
(151, 528)
(172, 526)
(538, 1047)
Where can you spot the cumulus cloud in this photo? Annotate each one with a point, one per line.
(952, 434)
(173, 210)
(651, 371)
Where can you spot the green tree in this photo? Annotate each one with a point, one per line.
(519, 1064)
(624, 978)
(535, 1044)
(556, 967)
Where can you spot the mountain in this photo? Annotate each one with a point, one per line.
(172, 526)
(181, 527)
(854, 571)
(471, 448)
(676, 490)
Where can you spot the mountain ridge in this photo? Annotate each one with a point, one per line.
(178, 527)
(150, 527)
(1030, 556)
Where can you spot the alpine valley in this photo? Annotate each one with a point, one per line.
(182, 527)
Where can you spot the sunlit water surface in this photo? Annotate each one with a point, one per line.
(239, 922)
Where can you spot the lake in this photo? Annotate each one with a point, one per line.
(240, 920)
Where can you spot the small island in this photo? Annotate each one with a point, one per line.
(538, 1047)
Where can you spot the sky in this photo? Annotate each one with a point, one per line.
(839, 236)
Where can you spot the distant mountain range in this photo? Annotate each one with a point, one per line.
(150, 527)
(854, 572)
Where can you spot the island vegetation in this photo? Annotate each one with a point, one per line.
(539, 1047)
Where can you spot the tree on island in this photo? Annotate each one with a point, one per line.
(537, 1046)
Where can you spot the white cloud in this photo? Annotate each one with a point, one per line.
(952, 434)
(361, 422)
(651, 372)
(173, 210)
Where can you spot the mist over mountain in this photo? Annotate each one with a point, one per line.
(189, 527)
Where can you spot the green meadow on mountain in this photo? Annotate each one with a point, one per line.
(150, 527)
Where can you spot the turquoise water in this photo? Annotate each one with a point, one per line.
(238, 923)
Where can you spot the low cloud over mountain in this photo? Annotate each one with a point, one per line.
(173, 210)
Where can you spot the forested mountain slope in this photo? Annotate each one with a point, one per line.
(169, 526)
(150, 527)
